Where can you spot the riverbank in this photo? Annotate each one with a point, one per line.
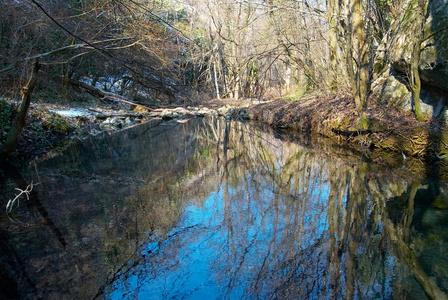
(335, 117)
(50, 127)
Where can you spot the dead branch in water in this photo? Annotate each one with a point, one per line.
(27, 191)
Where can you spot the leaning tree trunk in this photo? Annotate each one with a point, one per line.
(19, 121)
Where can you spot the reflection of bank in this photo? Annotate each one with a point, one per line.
(373, 238)
(400, 227)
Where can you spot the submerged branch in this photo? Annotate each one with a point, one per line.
(27, 191)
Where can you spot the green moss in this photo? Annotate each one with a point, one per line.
(55, 122)
(378, 66)
(289, 97)
(390, 143)
(5, 122)
(433, 238)
(443, 145)
(363, 122)
(377, 126)
(363, 168)
(440, 203)
(205, 152)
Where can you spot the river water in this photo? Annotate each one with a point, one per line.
(212, 209)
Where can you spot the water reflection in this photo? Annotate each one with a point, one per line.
(213, 209)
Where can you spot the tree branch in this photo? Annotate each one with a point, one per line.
(158, 84)
(59, 50)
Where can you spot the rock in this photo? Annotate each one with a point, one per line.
(168, 114)
(243, 113)
(178, 113)
(224, 111)
(203, 112)
(154, 115)
(130, 122)
(391, 65)
(107, 126)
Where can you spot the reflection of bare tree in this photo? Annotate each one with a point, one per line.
(338, 185)
(285, 221)
(301, 176)
(231, 210)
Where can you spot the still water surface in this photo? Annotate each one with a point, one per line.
(210, 209)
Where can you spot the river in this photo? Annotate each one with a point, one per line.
(213, 209)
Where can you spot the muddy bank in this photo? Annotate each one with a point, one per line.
(335, 117)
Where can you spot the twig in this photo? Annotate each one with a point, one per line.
(27, 191)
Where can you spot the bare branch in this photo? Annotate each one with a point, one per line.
(11, 203)
(60, 50)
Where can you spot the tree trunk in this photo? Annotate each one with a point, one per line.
(19, 121)
(215, 75)
(64, 82)
(415, 59)
(415, 81)
(361, 61)
(333, 9)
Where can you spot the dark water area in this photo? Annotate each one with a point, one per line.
(212, 209)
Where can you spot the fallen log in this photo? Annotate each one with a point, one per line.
(97, 91)
(104, 94)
